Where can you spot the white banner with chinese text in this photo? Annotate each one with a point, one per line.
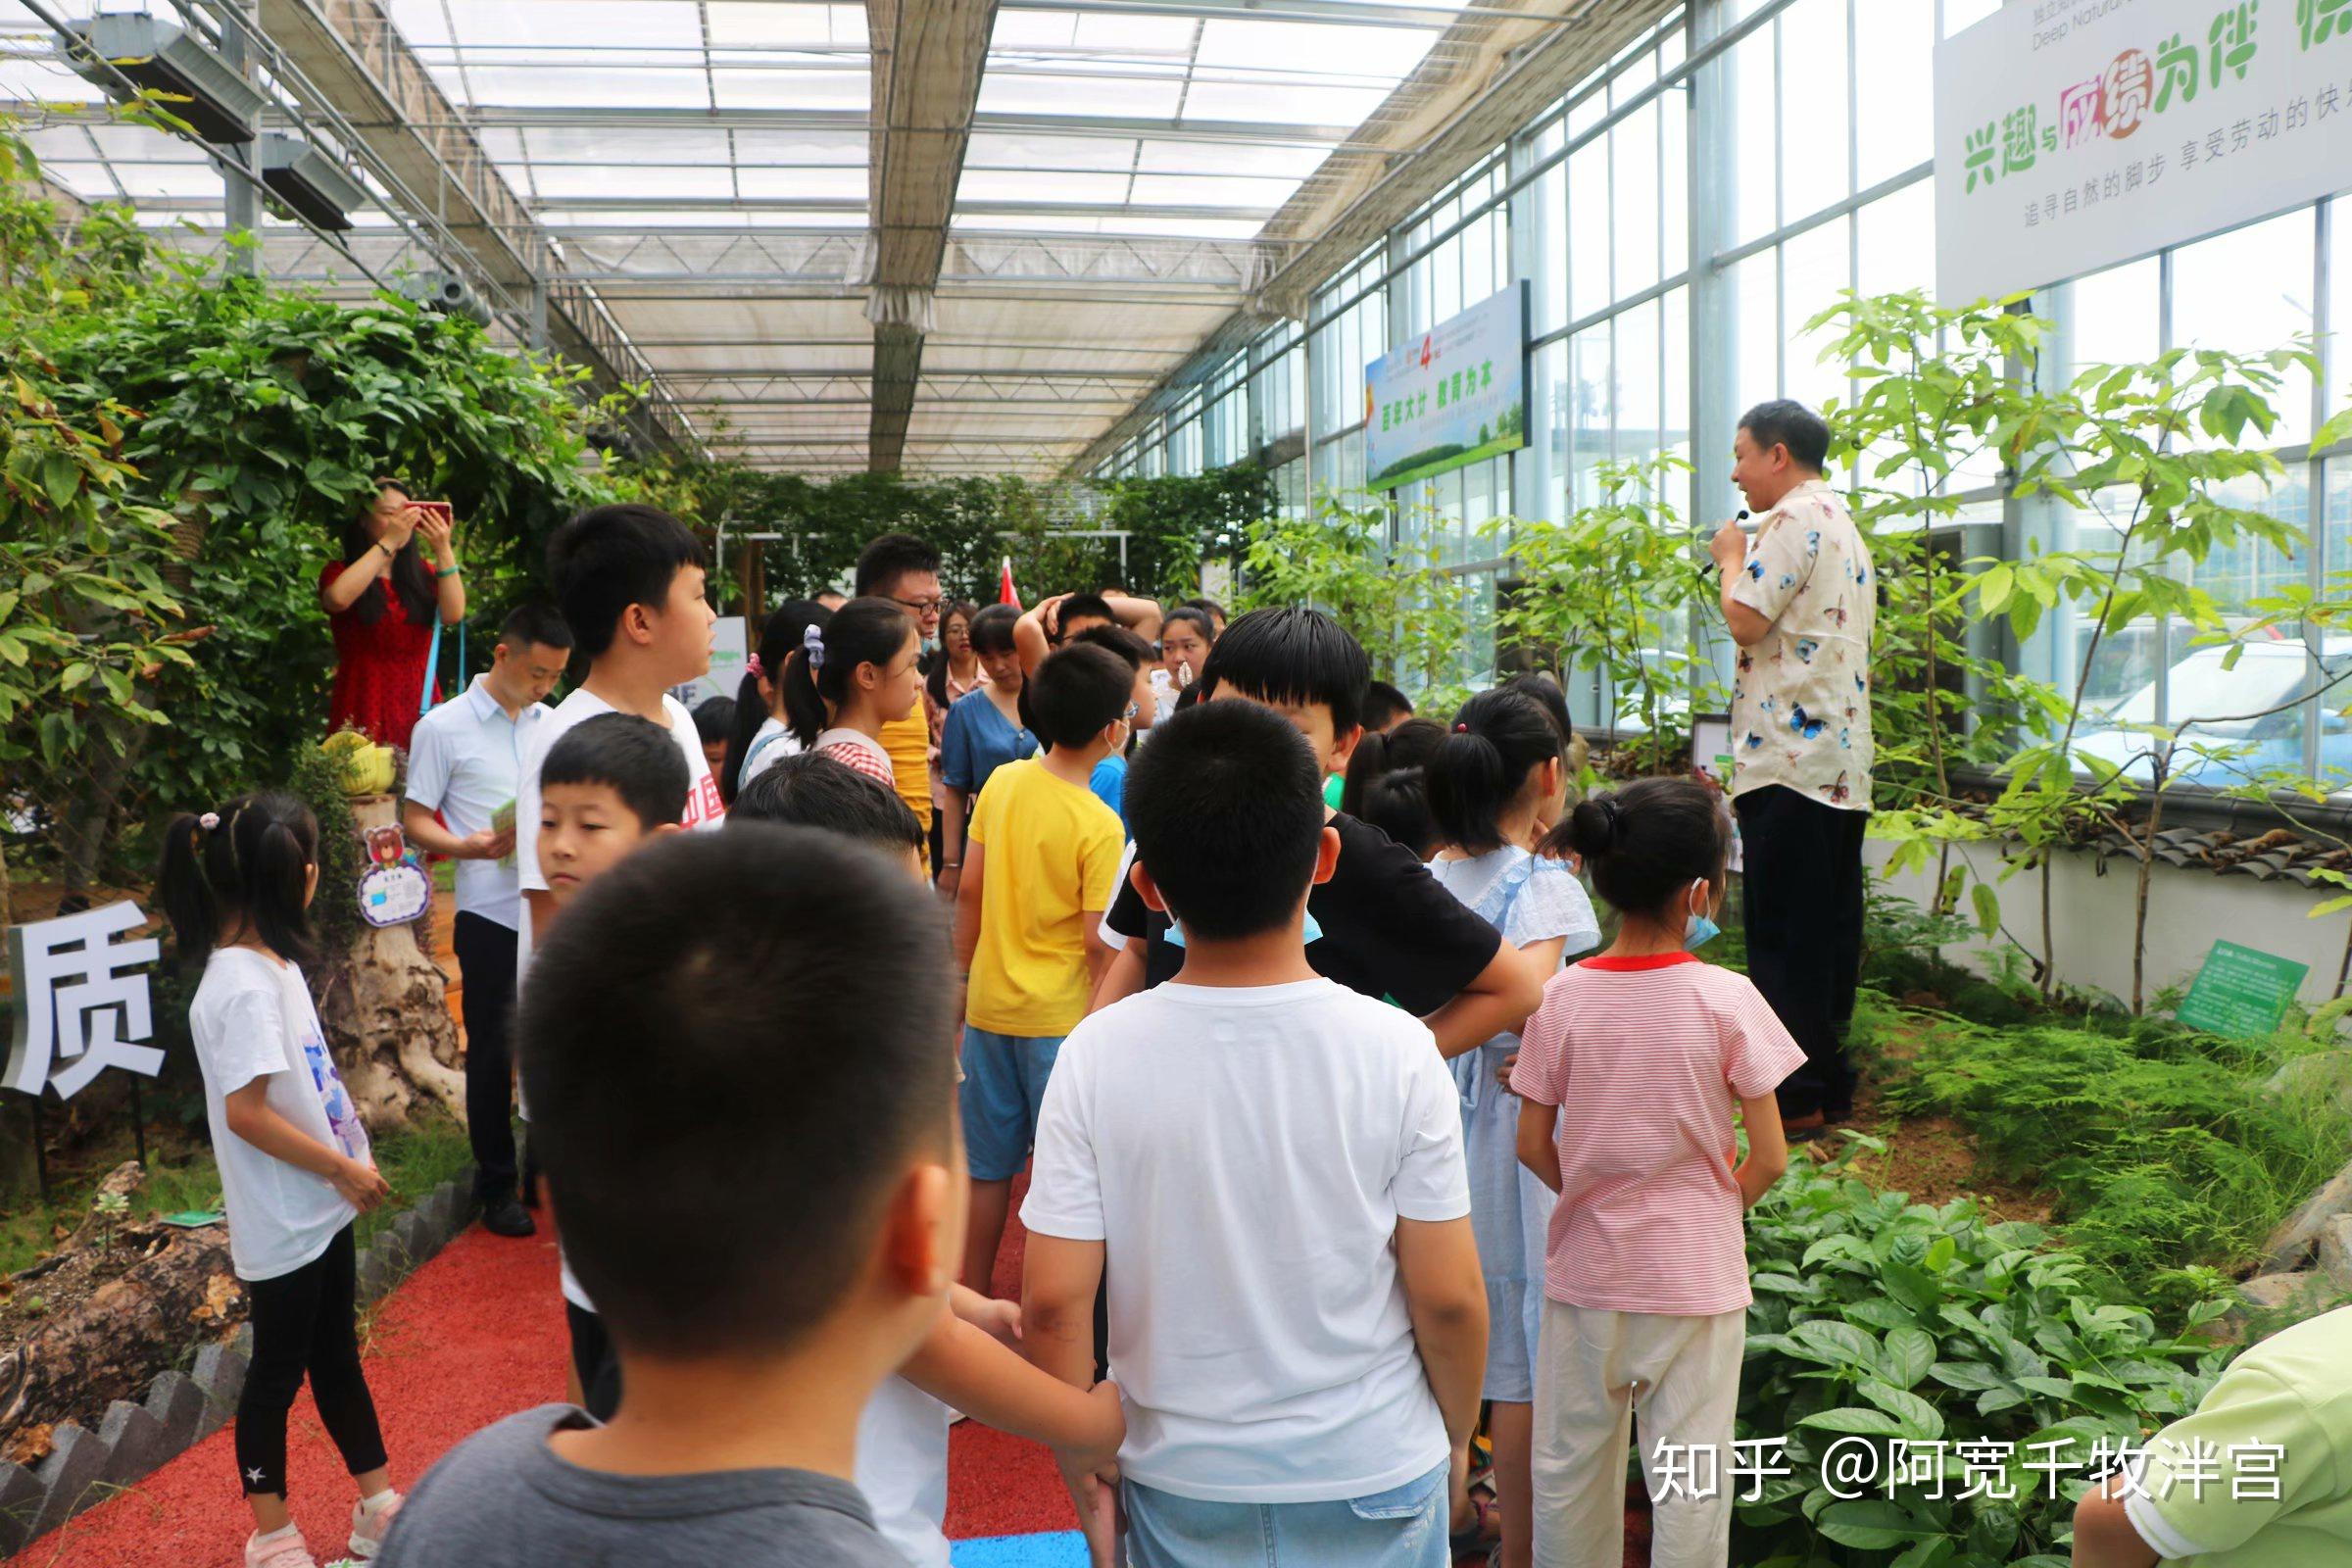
(2075, 134)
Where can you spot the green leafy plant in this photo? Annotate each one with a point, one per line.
(1610, 591)
(1903, 1332)
(2163, 443)
(1395, 596)
(2164, 1149)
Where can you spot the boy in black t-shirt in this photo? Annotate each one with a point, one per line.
(1386, 927)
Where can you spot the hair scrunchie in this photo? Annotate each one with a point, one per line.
(812, 644)
(753, 668)
(209, 820)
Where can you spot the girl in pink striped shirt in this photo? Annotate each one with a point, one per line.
(849, 679)
(1627, 1075)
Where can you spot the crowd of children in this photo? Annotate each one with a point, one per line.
(1341, 1151)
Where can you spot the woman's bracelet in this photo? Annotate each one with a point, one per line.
(448, 571)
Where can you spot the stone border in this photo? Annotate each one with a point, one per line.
(182, 1408)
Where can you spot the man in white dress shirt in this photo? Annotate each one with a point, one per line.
(464, 763)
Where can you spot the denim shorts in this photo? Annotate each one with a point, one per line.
(1404, 1527)
(1004, 1083)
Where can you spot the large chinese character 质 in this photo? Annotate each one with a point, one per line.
(2233, 40)
(2319, 19)
(2177, 63)
(2125, 90)
(2078, 112)
(2017, 140)
(1978, 157)
(79, 1012)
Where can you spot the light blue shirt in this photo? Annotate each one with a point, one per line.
(463, 761)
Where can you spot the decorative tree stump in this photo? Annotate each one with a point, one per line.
(158, 1288)
(384, 1004)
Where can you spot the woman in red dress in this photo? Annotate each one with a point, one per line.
(386, 604)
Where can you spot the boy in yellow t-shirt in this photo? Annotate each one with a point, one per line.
(1039, 866)
(2258, 1475)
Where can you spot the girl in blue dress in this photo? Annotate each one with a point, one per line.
(983, 732)
(1497, 782)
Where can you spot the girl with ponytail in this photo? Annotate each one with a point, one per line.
(1627, 1080)
(761, 739)
(294, 1162)
(1496, 781)
(849, 679)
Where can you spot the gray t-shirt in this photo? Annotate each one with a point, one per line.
(503, 1499)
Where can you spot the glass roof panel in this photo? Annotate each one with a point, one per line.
(42, 82)
(1200, 190)
(737, 24)
(989, 185)
(829, 88)
(603, 220)
(1296, 105)
(524, 86)
(169, 179)
(731, 117)
(555, 181)
(601, 24)
(619, 145)
(997, 150)
(813, 184)
(1385, 54)
(1229, 157)
(1076, 95)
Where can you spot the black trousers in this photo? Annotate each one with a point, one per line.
(306, 1322)
(1802, 901)
(594, 1360)
(486, 958)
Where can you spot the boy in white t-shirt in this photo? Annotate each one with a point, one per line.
(608, 788)
(1270, 1166)
(629, 581)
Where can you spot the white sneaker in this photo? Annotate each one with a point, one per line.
(368, 1526)
(283, 1548)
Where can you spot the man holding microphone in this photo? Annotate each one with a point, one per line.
(1800, 599)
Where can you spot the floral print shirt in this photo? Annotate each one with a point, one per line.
(1801, 701)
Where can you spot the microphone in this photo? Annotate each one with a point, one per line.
(1710, 566)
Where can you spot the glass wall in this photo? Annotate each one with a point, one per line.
(1679, 219)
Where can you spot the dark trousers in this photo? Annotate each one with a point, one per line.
(487, 959)
(1802, 901)
(306, 1322)
(594, 1360)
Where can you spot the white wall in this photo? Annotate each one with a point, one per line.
(2189, 911)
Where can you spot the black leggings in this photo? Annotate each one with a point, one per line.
(306, 1322)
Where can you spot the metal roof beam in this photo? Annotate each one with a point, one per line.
(1274, 132)
(362, 68)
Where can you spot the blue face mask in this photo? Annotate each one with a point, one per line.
(1701, 930)
(1312, 932)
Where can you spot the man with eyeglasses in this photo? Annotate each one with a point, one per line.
(901, 568)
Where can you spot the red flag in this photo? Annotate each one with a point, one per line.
(1007, 594)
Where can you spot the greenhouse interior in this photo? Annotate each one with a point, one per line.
(1842, 507)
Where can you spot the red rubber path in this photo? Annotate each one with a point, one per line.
(474, 1335)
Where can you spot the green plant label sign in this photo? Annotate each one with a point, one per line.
(2242, 992)
(1455, 395)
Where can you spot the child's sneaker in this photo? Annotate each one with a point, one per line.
(369, 1525)
(280, 1549)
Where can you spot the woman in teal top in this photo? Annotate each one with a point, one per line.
(983, 733)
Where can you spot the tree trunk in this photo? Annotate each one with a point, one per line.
(177, 1291)
(385, 1007)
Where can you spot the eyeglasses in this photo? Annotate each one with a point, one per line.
(920, 606)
